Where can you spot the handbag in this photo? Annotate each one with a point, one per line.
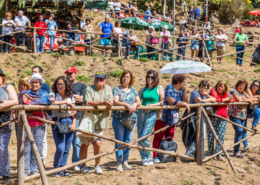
(135, 43)
(169, 42)
(128, 121)
(63, 128)
(154, 40)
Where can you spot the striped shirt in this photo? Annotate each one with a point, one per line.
(93, 94)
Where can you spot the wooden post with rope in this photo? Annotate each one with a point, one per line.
(34, 42)
(20, 150)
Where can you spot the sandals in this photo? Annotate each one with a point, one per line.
(238, 155)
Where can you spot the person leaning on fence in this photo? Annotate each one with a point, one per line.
(78, 90)
(207, 27)
(127, 96)
(52, 25)
(71, 31)
(95, 95)
(192, 12)
(164, 41)
(134, 10)
(118, 7)
(254, 111)
(203, 36)
(210, 43)
(110, 7)
(221, 39)
(182, 41)
(21, 21)
(197, 13)
(150, 34)
(148, 14)
(242, 39)
(40, 37)
(182, 23)
(107, 28)
(118, 31)
(7, 30)
(151, 95)
(62, 95)
(238, 114)
(167, 17)
(194, 43)
(220, 93)
(175, 94)
(132, 42)
(38, 69)
(88, 28)
(5, 132)
(128, 8)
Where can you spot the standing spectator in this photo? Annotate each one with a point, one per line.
(96, 95)
(242, 39)
(192, 12)
(128, 7)
(175, 94)
(78, 90)
(194, 43)
(134, 10)
(118, 6)
(148, 14)
(7, 30)
(207, 27)
(238, 114)
(201, 46)
(118, 31)
(182, 23)
(132, 43)
(51, 24)
(154, 13)
(40, 34)
(107, 28)
(197, 12)
(5, 132)
(71, 34)
(155, 18)
(111, 7)
(88, 28)
(38, 69)
(167, 17)
(164, 43)
(220, 93)
(182, 41)
(221, 39)
(21, 21)
(150, 34)
(237, 30)
(151, 95)
(62, 95)
(210, 43)
(127, 96)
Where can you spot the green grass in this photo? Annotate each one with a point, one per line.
(118, 61)
(211, 172)
(7, 75)
(94, 55)
(186, 182)
(28, 72)
(165, 77)
(52, 79)
(55, 54)
(116, 73)
(252, 79)
(79, 63)
(196, 83)
(144, 59)
(257, 70)
(247, 168)
(213, 78)
(83, 78)
(222, 70)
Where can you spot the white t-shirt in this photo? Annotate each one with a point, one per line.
(132, 37)
(63, 114)
(182, 21)
(23, 21)
(117, 6)
(110, 4)
(118, 30)
(223, 36)
(7, 30)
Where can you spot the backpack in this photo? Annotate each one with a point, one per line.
(169, 145)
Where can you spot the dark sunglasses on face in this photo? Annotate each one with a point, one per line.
(152, 77)
(254, 85)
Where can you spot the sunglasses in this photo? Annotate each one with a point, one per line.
(152, 77)
(254, 85)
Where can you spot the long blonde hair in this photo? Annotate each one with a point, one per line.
(24, 80)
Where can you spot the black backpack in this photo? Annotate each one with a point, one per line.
(169, 145)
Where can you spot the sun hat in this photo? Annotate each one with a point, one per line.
(37, 76)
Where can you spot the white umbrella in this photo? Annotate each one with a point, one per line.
(185, 66)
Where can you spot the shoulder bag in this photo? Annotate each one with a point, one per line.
(154, 40)
(128, 121)
(63, 128)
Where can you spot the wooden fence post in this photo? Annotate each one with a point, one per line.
(118, 45)
(199, 137)
(35, 149)
(90, 50)
(20, 150)
(34, 42)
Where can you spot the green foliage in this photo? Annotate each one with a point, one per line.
(211, 172)
(118, 61)
(257, 70)
(83, 78)
(117, 73)
(144, 59)
(165, 77)
(186, 182)
(52, 79)
(7, 75)
(79, 63)
(246, 168)
(28, 72)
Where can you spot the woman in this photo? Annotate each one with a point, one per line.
(151, 95)
(127, 96)
(118, 31)
(35, 95)
(175, 94)
(117, 6)
(88, 28)
(221, 39)
(254, 111)
(210, 44)
(132, 43)
(62, 95)
(194, 43)
(164, 43)
(8, 30)
(10, 100)
(238, 114)
(220, 93)
(202, 36)
(257, 24)
(134, 10)
(150, 34)
(182, 23)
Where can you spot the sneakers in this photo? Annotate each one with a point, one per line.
(156, 160)
(127, 57)
(66, 174)
(76, 168)
(119, 167)
(145, 162)
(84, 169)
(57, 174)
(127, 166)
(150, 161)
(98, 170)
(245, 149)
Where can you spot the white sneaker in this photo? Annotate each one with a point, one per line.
(127, 57)
(119, 167)
(145, 162)
(76, 168)
(127, 166)
(150, 161)
(98, 170)
(84, 169)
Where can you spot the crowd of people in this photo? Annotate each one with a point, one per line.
(66, 90)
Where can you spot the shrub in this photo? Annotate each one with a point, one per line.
(117, 73)
(257, 70)
(144, 59)
(83, 78)
(28, 72)
(79, 63)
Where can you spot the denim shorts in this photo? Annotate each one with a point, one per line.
(196, 44)
(105, 42)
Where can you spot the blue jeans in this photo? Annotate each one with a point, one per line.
(239, 133)
(165, 47)
(40, 43)
(86, 42)
(254, 114)
(76, 146)
(4, 154)
(191, 20)
(181, 51)
(51, 42)
(240, 55)
(17, 38)
(122, 134)
(63, 143)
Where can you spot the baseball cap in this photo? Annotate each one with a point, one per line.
(100, 74)
(1, 72)
(71, 70)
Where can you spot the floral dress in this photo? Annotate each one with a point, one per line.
(238, 111)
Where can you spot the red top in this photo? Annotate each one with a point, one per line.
(39, 24)
(237, 30)
(221, 109)
(34, 122)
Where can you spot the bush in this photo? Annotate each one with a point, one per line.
(83, 78)
(79, 63)
(144, 59)
(117, 73)
(28, 72)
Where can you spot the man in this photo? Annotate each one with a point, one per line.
(40, 34)
(128, 7)
(71, 31)
(96, 95)
(166, 17)
(197, 12)
(148, 14)
(242, 39)
(46, 87)
(191, 14)
(21, 21)
(51, 24)
(182, 41)
(108, 28)
(78, 90)
(87, 36)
